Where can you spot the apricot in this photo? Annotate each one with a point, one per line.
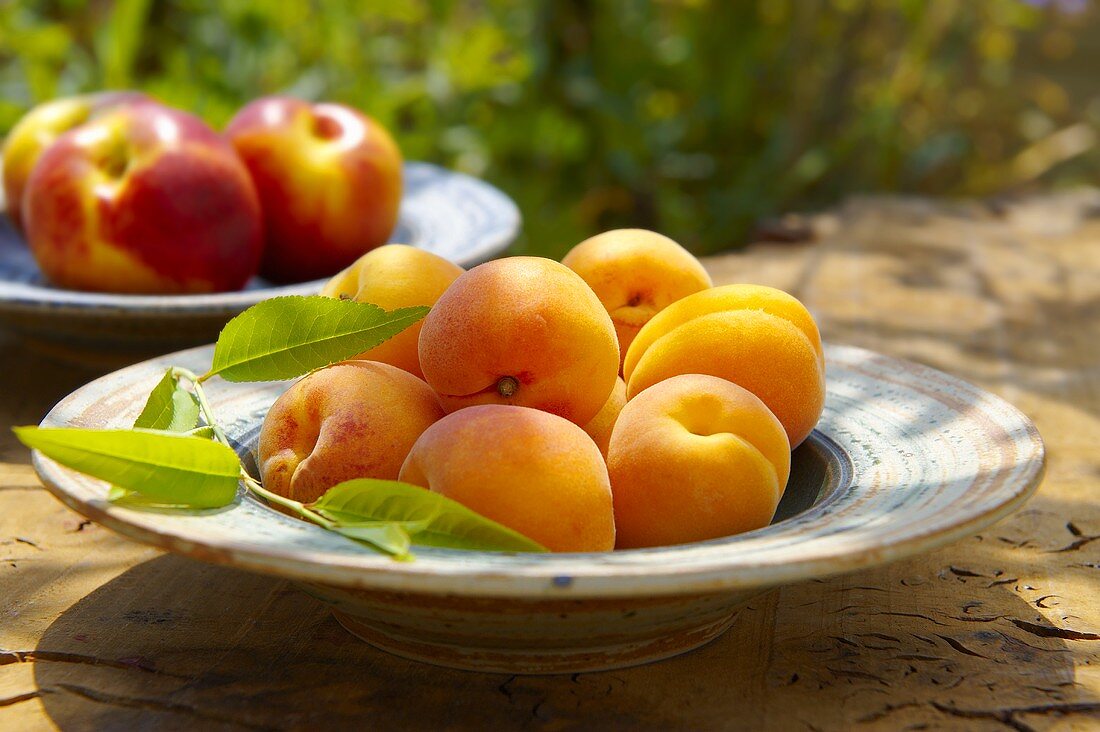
(599, 429)
(395, 276)
(692, 458)
(757, 337)
(524, 331)
(636, 273)
(356, 419)
(532, 471)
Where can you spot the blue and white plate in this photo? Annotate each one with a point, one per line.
(453, 215)
(904, 460)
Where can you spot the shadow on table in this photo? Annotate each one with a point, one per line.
(1047, 318)
(178, 644)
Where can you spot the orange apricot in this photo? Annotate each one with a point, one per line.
(599, 428)
(532, 471)
(356, 419)
(636, 273)
(692, 458)
(525, 331)
(757, 337)
(395, 276)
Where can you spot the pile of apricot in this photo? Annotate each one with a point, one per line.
(615, 399)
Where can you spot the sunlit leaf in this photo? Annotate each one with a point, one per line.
(429, 518)
(389, 536)
(169, 407)
(165, 467)
(285, 337)
(132, 499)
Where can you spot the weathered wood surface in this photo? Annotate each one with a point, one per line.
(999, 631)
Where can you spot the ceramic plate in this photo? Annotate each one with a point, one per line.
(458, 217)
(905, 459)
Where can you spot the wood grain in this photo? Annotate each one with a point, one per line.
(999, 631)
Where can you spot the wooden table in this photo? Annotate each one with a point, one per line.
(1001, 630)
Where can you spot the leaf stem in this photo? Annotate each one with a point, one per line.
(249, 482)
(204, 404)
(297, 507)
(253, 485)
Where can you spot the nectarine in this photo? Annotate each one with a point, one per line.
(143, 198)
(38, 129)
(329, 178)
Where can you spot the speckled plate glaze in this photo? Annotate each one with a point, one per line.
(456, 216)
(905, 459)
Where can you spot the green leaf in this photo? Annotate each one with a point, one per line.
(169, 407)
(118, 493)
(165, 467)
(429, 518)
(285, 337)
(389, 536)
(124, 497)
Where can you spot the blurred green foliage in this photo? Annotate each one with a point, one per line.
(694, 117)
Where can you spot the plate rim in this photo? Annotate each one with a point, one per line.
(20, 297)
(500, 580)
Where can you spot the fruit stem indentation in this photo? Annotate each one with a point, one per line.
(507, 386)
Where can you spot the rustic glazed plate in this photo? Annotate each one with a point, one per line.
(905, 459)
(453, 215)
